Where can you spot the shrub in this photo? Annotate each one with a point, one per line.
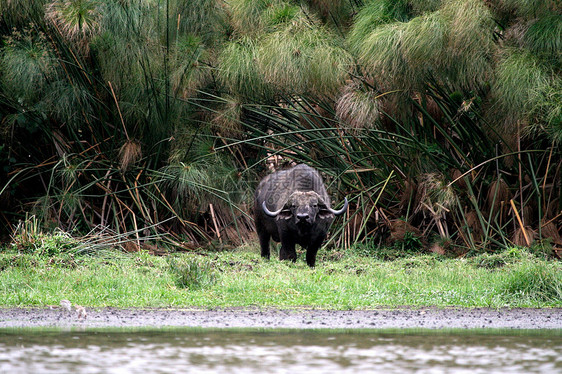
(192, 274)
(21, 261)
(28, 238)
(512, 255)
(537, 280)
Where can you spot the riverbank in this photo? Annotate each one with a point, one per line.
(240, 278)
(402, 318)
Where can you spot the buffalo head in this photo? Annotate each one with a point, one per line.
(303, 208)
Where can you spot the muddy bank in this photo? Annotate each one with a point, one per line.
(430, 318)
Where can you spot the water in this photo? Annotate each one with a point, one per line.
(271, 351)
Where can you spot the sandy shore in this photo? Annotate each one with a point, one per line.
(429, 318)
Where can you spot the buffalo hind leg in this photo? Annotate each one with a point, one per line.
(264, 244)
(288, 252)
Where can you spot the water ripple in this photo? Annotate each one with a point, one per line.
(215, 351)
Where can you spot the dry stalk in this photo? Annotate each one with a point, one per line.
(214, 218)
(118, 109)
(521, 227)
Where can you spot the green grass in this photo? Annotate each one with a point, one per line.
(240, 278)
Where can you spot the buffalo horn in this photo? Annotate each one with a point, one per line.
(269, 212)
(338, 212)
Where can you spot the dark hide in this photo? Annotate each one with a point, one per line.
(297, 211)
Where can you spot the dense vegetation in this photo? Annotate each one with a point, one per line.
(127, 121)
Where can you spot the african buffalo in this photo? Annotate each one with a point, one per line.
(292, 207)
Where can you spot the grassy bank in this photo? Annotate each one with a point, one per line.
(351, 280)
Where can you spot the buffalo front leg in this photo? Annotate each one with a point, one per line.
(287, 251)
(311, 256)
(312, 250)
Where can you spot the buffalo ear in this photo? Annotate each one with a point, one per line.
(285, 214)
(324, 213)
